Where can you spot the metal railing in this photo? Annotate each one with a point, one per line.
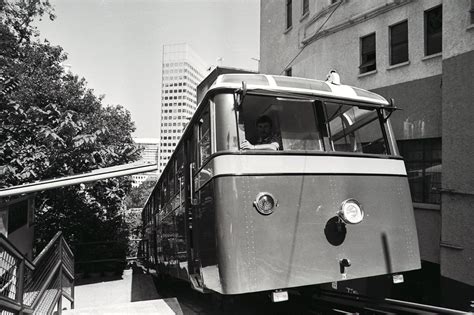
(36, 287)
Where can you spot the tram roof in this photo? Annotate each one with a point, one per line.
(298, 86)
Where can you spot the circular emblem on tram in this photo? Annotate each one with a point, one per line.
(265, 203)
(351, 211)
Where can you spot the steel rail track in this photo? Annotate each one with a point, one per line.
(345, 303)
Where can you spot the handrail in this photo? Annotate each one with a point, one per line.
(29, 286)
(47, 247)
(68, 249)
(9, 304)
(5, 243)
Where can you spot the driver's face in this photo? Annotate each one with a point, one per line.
(264, 129)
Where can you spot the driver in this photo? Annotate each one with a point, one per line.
(266, 139)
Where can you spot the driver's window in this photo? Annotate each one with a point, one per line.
(290, 122)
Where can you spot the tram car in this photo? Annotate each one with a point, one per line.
(282, 182)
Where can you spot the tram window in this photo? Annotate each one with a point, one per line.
(171, 179)
(165, 189)
(294, 123)
(204, 141)
(157, 200)
(179, 166)
(226, 131)
(354, 129)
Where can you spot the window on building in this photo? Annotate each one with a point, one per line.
(288, 72)
(471, 12)
(367, 52)
(399, 43)
(305, 7)
(433, 30)
(289, 13)
(423, 163)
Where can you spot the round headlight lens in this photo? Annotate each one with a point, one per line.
(265, 203)
(351, 211)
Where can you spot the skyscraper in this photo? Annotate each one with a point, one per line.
(149, 155)
(182, 71)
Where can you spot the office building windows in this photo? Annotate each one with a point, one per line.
(367, 54)
(399, 43)
(433, 30)
(288, 72)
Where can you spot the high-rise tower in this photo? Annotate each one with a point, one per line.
(182, 71)
(149, 154)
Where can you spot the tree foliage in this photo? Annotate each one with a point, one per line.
(137, 196)
(52, 125)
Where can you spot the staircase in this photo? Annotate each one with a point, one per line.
(36, 287)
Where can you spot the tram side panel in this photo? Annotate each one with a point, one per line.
(301, 242)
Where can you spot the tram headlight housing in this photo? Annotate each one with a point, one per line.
(265, 203)
(351, 212)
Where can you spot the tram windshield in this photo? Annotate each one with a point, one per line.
(355, 129)
(287, 124)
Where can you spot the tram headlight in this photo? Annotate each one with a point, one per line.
(265, 203)
(351, 211)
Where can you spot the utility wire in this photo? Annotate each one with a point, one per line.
(317, 31)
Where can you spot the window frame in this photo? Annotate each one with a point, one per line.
(422, 145)
(471, 13)
(359, 125)
(322, 126)
(363, 68)
(428, 36)
(288, 14)
(304, 7)
(199, 162)
(391, 44)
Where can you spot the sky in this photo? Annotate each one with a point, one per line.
(116, 45)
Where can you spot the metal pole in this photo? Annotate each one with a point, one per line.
(60, 275)
(20, 279)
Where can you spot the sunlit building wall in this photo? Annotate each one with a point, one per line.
(182, 71)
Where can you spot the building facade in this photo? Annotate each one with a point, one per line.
(420, 53)
(182, 71)
(150, 147)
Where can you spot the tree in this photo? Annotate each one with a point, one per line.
(52, 125)
(137, 196)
